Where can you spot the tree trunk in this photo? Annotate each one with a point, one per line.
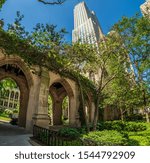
(147, 117)
(83, 106)
(96, 113)
(122, 114)
(145, 106)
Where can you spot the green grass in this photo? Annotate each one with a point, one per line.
(4, 118)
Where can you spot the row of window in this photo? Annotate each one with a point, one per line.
(13, 95)
(8, 104)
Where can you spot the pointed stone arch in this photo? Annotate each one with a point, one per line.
(13, 67)
(59, 89)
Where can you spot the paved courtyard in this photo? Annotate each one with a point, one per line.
(13, 135)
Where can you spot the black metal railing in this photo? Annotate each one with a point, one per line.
(52, 138)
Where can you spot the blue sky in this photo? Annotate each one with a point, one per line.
(107, 11)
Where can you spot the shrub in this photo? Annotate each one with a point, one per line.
(134, 117)
(141, 140)
(72, 133)
(121, 126)
(104, 138)
(135, 126)
(8, 111)
(111, 125)
(15, 111)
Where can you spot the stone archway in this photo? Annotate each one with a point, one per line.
(14, 68)
(59, 90)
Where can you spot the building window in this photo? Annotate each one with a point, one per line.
(1, 103)
(7, 93)
(16, 95)
(12, 94)
(5, 103)
(10, 105)
(15, 105)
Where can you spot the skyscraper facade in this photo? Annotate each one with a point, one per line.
(145, 8)
(86, 26)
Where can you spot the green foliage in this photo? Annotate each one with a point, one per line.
(122, 126)
(50, 105)
(139, 140)
(105, 138)
(6, 84)
(3, 114)
(44, 47)
(134, 32)
(142, 138)
(1, 3)
(135, 126)
(69, 133)
(4, 118)
(134, 117)
(8, 111)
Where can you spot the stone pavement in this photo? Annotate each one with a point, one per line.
(13, 135)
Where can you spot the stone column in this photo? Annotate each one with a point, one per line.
(57, 112)
(74, 106)
(23, 105)
(40, 117)
(33, 101)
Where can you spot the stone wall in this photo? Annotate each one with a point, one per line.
(35, 85)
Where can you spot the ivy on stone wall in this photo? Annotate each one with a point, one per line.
(12, 45)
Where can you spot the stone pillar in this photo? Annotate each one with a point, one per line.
(40, 117)
(57, 112)
(23, 105)
(73, 111)
(33, 101)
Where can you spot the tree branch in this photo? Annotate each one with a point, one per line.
(108, 81)
(54, 2)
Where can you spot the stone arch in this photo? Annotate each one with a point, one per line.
(59, 89)
(14, 60)
(14, 68)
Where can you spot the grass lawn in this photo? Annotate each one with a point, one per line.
(4, 118)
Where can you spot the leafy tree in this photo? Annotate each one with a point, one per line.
(1, 3)
(76, 58)
(135, 35)
(112, 63)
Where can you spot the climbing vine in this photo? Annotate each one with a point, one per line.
(12, 45)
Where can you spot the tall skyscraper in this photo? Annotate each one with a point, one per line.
(145, 8)
(86, 26)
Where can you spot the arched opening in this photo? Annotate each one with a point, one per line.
(65, 111)
(9, 105)
(61, 95)
(50, 111)
(9, 70)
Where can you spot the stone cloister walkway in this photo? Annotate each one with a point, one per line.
(13, 135)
